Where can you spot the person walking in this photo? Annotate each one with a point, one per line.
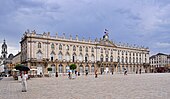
(96, 74)
(125, 71)
(86, 72)
(24, 82)
(140, 71)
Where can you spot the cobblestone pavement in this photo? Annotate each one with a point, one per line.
(132, 86)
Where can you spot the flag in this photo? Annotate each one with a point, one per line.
(106, 31)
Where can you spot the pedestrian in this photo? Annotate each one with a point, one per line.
(76, 72)
(24, 82)
(112, 71)
(56, 74)
(136, 71)
(69, 75)
(86, 72)
(140, 71)
(96, 74)
(125, 71)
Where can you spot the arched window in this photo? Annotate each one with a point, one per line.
(87, 68)
(67, 56)
(52, 55)
(86, 57)
(111, 58)
(60, 68)
(60, 47)
(122, 59)
(101, 58)
(133, 59)
(129, 59)
(39, 45)
(111, 51)
(74, 48)
(60, 56)
(74, 57)
(92, 68)
(107, 58)
(81, 57)
(52, 46)
(86, 49)
(92, 49)
(118, 59)
(67, 47)
(122, 53)
(80, 48)
(101, 50)
(39, 55)
(126, 60)
(92, 58)
(81, 70)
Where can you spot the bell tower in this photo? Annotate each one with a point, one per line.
(4, 50)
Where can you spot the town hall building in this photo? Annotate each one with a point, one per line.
(41, 51)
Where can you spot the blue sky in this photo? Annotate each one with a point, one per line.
(141, 22)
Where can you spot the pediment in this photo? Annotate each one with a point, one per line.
(107, 43)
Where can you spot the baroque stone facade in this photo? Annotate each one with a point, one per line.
(42, 51)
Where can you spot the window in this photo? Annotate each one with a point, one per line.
(52, 56)
(80, 48)
(92, 68)
(74, 57)
(86, 49)
(52, 46)
(60, 47)
(81, 57)
(60, 68)
(74, 48)
(39, 45)
(67, 47)
(39, 55)
(67, 56)
(118, 59)
(111, 58)
(129, 59)
(101, 50)
(92, 58)
(122, 59)
(126, 60)
(111, 51)
(92, 49)
(86, 58)
(107, 58)
(60, 55)
(101, 58)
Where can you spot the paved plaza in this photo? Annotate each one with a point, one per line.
(118, 86)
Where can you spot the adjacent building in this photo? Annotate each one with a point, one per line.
(42, 51)
(159, 60)
(4, 60)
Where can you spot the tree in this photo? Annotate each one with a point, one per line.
(73, 66)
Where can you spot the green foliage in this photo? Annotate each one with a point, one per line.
(73, 66)
(49, 69)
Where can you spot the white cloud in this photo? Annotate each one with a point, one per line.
(141, 22)
(162, 45)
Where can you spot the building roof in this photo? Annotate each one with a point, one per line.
(161, 54)
(153, 56)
